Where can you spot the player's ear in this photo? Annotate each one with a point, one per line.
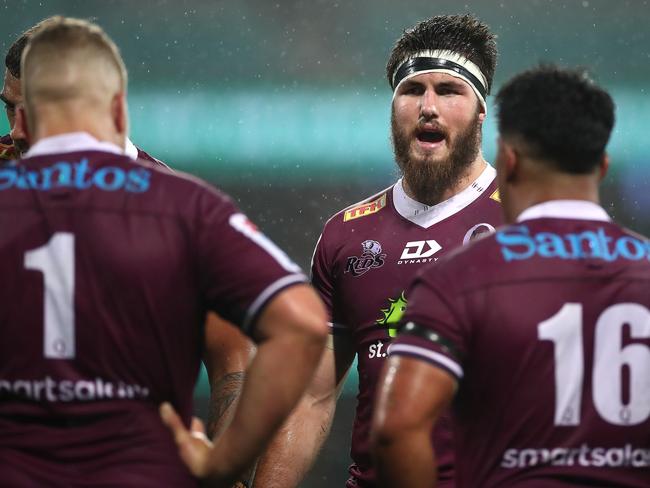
(20, 123)
(482, 112)
(507, 160)
(603, 167)
(119, 113)
(513, 162)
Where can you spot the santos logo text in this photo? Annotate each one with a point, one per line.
(76, 175)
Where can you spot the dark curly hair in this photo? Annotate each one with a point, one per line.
(463, 34)
(12, 59)
(561, 115)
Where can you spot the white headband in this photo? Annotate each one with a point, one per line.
(442, 61)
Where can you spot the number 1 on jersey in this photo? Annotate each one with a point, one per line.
(565, 330)
(56, 261)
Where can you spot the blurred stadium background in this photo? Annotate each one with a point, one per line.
(284, 103)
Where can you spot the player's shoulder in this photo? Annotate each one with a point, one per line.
(145, 156)
(175, 193)
(361, 211)
(632, 233)
(490, 199)
(616, 243)
(136, 153)
(353, 218)
(185, 185)
(493, 197)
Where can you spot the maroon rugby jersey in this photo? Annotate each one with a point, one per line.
(546, 326)
(366, 257)
(108, 268)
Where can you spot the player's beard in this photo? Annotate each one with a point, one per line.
(429, 178)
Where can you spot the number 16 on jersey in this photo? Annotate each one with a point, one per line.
(610, 356)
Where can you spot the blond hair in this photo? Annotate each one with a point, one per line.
(68, 59)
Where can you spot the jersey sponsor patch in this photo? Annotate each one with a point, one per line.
(364, 209)
(77, 174)
(628, 456)
(419, 252)
(518, 243)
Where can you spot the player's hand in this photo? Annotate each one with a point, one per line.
(194, 447)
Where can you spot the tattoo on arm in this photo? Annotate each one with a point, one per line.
(224, 393)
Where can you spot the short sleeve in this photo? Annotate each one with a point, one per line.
(434, 328)
(323, 280)
(241, 269)
(321, 274)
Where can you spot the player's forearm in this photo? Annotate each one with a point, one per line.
(226, 357)
(294, 449)
(405, 459)
(224, 394)
(274, 383)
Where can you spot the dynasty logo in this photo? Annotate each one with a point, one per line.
(419, 252)
(371, 257)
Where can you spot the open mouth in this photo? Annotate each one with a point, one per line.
(430, 136)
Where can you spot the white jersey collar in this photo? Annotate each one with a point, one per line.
(77, 141)
(425, 216)
(130, 150)
(565, 209)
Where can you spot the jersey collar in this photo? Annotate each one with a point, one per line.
(130, 150)
(565, 209)
(77, 141)
(425, 216)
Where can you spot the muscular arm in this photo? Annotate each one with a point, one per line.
(294, 449)
(227, 355)
(290, 332)
(412, 396)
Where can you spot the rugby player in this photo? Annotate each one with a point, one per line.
(440, 72)
(109, 267)
(540, 333)
(227, 352)
(14, 144)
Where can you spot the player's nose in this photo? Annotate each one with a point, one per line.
(429, 104)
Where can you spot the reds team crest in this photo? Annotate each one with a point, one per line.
(371, 257)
